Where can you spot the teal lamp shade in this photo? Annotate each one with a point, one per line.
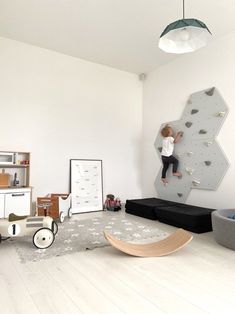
(186, 35)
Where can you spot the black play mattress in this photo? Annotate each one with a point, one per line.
(142, 207)
(189, 217)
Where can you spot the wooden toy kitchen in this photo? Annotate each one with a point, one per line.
(15, 190)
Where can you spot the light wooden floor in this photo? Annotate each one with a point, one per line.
(198, 279)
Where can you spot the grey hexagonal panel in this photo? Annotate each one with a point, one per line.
(202, 162)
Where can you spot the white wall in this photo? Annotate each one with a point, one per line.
(165, 93)
(59, 107)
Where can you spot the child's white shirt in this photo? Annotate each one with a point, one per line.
(167, 146)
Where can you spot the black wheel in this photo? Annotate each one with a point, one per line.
(0, 238)
(54, 227)
(43, 238)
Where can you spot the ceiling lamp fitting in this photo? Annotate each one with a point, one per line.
(185, 35)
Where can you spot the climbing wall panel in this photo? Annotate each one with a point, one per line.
(202, 162)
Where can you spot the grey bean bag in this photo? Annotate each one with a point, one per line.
(224, 227)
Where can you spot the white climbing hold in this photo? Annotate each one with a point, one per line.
(168, 125)
(189, 154)
(196, 182)
(209, 143)
(179, 155)
(189, 171)
(220, 114)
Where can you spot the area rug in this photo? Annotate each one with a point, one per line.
(76, 235)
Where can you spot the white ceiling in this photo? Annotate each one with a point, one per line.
(119, 33)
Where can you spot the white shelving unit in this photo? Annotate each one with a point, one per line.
(15, 195)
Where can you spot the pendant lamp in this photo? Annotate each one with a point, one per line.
(185, 35)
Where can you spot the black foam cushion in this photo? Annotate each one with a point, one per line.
(142, 207)
(189, 217)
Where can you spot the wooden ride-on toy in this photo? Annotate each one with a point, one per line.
(55, 206)
(42, 229)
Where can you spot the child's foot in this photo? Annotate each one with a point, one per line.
(165, 182)
(177, 174)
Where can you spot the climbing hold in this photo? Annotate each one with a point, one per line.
(196, 182)
(207, 162)
(179, 155)
(209, 143)
(193, 111)
(180, 194)
(189, 154)
(220, 114)
(189, 102)
(210, 92)
(159, 149)
(190, 171)
(188, 124)
(202, 131)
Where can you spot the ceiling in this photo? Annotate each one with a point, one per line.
(119, 33)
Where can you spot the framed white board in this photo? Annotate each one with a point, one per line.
(86, 185)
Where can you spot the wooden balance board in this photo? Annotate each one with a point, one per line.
(171, 244)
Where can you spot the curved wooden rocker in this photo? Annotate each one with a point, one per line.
(171, 244)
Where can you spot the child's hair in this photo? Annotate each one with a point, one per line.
(166, 130)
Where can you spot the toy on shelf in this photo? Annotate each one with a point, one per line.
(112, 203)
(55, 206)
(42, 229)
(4, 179)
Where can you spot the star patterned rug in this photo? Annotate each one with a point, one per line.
(76, 235)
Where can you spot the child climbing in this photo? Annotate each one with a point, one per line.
(167, 151)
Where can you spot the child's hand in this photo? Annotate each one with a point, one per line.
(178, 136)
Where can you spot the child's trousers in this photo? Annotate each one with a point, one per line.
(166, 163)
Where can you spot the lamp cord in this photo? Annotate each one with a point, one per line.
(183, 10)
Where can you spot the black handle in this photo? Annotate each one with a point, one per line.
(19, 194)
